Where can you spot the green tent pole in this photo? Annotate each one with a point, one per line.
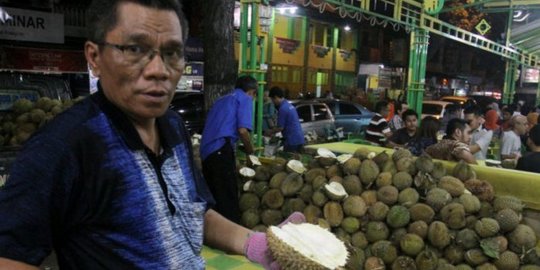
(243, 36)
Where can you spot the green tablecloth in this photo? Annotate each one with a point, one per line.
(217, 260)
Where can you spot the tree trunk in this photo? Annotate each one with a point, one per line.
(220, 67)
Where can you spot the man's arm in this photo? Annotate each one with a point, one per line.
(223, 234)
(467, 157)
(7, 264)
(246, 140)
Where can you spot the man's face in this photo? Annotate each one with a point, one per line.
(473, 120)
(506, 115)
(141, 87)
(465, 135)
(411, 123)
(276, 101)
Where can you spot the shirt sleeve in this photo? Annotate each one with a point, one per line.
(282, 117)
(33, 200)
(384, 127)
(506, 145)
(484, 140)
(244, 113)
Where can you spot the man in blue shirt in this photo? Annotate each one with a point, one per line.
(288, 122)
(110, 183)
(229, 119)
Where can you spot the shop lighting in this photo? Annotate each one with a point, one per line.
(347, 28)
(287, 9)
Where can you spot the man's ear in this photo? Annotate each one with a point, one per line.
(93, 57)
(457, 133)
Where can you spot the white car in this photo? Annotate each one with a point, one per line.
(435, 108)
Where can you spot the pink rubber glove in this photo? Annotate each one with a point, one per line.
(257, 246)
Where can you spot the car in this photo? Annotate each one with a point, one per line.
(315, 117)
(352, 117)
(462, 101)
(190, 106)
(435, 108)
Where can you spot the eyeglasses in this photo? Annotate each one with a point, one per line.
(142, 55)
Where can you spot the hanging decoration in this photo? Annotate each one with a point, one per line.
(320, 51)
(287, 45)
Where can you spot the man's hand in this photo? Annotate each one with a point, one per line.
(256, 247)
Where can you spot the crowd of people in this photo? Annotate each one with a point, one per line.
(467, 133)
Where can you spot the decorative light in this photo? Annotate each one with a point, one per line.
(347, 28)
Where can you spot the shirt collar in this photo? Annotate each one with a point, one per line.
(125, 128)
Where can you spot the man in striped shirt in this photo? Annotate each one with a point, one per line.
(378, 130)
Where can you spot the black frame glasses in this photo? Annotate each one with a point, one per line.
(142, 55)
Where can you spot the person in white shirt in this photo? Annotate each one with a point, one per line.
(481, 137)
(511, 142)
(397, 121)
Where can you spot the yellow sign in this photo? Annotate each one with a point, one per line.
(482, 27)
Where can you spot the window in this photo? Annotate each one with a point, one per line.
(321, 112)
(348, 109)
(304, 113)
(434, 109)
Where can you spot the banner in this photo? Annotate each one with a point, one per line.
(30, 59)
(30, 25)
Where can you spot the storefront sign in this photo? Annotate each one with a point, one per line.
(29, 25)
(30, 59)
(194, 50)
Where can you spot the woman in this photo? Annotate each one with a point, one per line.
(490, 123)
(426, 136)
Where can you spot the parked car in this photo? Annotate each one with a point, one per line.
(435, 108)
(315, 117)
(190, 106)
(459, 100)
(352, 117)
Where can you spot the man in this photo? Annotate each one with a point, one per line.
(288, 122)
(530, 161)
(229, 119)
(397, 122)
(404, 135)
(511, 141)
(455, 146)
(378, 131)
(110, 183)
(481, 138)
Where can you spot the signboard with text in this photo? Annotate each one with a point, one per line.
(30, 25)
(30, 59)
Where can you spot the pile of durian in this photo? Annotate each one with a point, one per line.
(26, 117)
(394, 211)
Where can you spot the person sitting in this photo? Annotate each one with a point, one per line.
(378, 131)
(530, 161)
(403, 135)
(481, 138)
(397, 121)
(511, 142)
(426, 135)
(455, 145)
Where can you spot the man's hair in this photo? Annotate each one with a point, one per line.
(451, 108)
(514, 119)
(246, 83)
(102, 16)
(380, 105)
(455, 124)
(399, 105)
(276, 92)
(409, 112)
(534, 134)
(429, 128)
(474, 109)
